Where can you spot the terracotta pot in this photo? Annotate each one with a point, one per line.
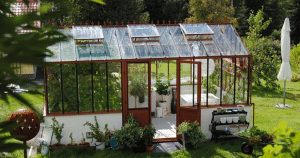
(56, 147)
(72, 146)
(85, 144)
(149, 148)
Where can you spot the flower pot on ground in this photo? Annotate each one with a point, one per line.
(148, 135)
(97, 134)
(57, 130)
(56, 146)
(83, 143)
(72, 143)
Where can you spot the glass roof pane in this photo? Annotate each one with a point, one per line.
(167, 44)
(83, 52)
(180, 43)
(155, 50)
(112, 52)
(87, 32)
(67, 47)
(234, 39)
(141, 50)
(196, 29)
(98, 52)
(211, 48)
(197, 48)
(143, 31)
(221, 41)
(161, 29)
(55, 49)
(125, 44)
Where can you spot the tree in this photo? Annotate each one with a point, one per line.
(264, 51)
(240, 11)
(25, 48)
(113, 10)
(295, 22)
(212, 10)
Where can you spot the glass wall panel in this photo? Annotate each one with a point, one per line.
(69, 87)
(138, 85)
(188, 90)
(241, 87)
(162, 70)
(84, 86)
(54, 89)
(114, 86)
(172, 72)
(100, 86)
(228, 80)
(67, 47)
(214, 82)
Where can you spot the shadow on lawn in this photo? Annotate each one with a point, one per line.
(224, 148)
(260, 91)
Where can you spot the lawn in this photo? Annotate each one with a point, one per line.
(267, 116)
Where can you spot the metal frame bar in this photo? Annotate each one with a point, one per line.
(46, 90)
(221, 86)
(107, 95)
(92, 80)
(234, 81)
(77, 88)
(62, 90)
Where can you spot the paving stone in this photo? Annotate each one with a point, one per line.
(168, 147)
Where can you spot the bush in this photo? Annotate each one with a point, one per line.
(129, 135)
(295, 62)
(195, 136)
(57, 129)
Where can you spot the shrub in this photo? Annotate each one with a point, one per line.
(97, 134)
(195, 136)
(57, 129)
(129, 135)
(295, 62)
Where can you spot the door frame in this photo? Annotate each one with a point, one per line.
(199, 81)
(125, 109)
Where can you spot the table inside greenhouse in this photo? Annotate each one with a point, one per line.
(187, 99)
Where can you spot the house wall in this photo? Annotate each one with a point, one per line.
(206, 116)
(75, 123)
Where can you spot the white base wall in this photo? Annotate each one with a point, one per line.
(206, 116)
(75, 123)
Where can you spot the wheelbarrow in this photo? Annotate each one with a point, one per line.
(248, 148)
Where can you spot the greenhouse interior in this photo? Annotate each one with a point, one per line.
(115, 68)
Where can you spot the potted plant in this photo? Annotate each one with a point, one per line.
(83, 143)
(192, 134)
(57, 129)
(138, 88)
(129, 136)
(162, 89)
(148, 134)
(97, 134)
(72, 143)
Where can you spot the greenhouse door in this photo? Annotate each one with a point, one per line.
(188, 91)
(136, 80)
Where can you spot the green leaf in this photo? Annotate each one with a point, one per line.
(98, 1)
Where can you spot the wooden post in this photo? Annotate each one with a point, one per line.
(25, 150)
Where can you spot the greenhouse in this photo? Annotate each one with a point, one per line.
(110, 71)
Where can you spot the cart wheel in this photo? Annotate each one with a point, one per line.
(246, 148)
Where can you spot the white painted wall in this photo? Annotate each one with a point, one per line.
(206, 116)
(75, 123)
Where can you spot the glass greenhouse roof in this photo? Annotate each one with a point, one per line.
(217, 40)
(196, 29)
(142, 31)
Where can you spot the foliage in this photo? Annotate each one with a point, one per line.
(286, 143)
(211, 10)
(162, 88)
(256, 135)
(82, 139)
(129, 135)
(295, 61)
(96, 133)
(57, 129)
(195, 136)
(113, 10)
(148, 134)
(7, 126)
(138, 87)
(72, 140)
(263, 49)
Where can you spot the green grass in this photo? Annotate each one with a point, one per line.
(267, 116)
